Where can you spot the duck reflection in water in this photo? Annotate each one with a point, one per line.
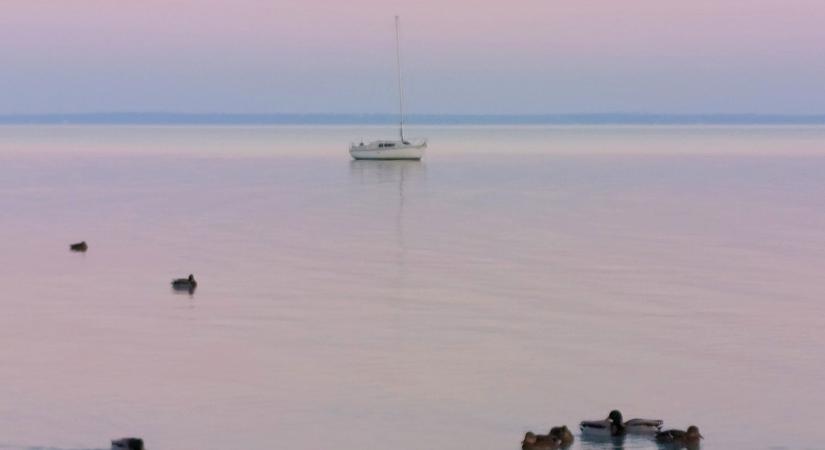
(632, 442)
(589, 442)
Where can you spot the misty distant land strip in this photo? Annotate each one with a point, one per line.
(412, 119)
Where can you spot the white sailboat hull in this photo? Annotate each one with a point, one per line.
(399, 150)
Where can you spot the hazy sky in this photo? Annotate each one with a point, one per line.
(460, 56)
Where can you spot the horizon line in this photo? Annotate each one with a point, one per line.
(612, 118)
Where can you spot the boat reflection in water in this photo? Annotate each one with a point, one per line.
(385, 187)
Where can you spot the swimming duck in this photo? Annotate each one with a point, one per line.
(79, 247)
(563, 434)
(185, 284)
(643, 425)
(534, 441)
(614, 425)
(690, 437)
(127, 444)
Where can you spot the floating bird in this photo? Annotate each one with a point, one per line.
(185, 284)
(79, 247)
(563, 434)
(534, 441)
(690, 437)
(614, 425)
(643, 425)
(128, 444)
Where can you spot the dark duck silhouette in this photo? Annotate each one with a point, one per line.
(185, 284)
(128, 444)
(79, 247)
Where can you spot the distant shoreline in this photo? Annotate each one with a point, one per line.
(412, 119)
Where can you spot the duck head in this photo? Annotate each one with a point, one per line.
(693, 433)
(191, 278)
(562, 434)
(529, 438)
(617, 423)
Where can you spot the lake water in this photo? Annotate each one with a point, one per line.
(515, 279)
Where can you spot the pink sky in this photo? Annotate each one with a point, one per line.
(460, 55)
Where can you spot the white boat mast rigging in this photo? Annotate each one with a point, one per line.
(400, 83)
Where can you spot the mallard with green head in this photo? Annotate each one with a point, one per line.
(615, 425)
(612, 426)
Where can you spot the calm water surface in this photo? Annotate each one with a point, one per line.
(515, 279)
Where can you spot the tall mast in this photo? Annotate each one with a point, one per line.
(400, 86)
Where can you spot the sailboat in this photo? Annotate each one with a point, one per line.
(392, 149)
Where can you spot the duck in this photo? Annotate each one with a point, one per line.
(691, 437)
(563, 434)
(645, 426)
(79, 247)
(130, 443)
(184, 284)
(534, 441)
(612, 426)
(615, 425)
